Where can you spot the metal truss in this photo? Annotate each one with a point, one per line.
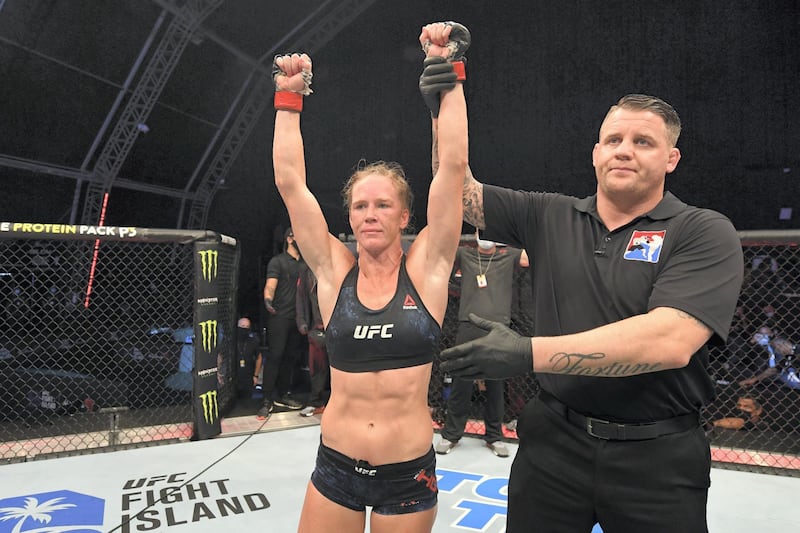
(214, 177)
(144, 97)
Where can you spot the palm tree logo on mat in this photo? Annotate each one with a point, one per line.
(36, 516)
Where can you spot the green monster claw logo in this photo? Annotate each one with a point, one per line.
(209, 331)
(210, 406)
(208, 260)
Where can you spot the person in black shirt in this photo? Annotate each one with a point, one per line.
(247, 351)
(630, 285)
(284, 340)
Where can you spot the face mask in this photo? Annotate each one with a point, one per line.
(243, 332)
(761, 338)
(485, 245)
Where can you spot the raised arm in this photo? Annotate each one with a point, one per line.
(433, 82)
(432, 254)
(472, 190)
(448, 42)
(292, 75)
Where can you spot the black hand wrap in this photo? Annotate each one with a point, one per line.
(437, 76)
(499, 355)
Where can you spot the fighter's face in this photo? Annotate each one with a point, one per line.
(376, 213)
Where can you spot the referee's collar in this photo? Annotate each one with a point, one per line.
(668, 207)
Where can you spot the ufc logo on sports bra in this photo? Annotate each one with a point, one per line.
(368, 332)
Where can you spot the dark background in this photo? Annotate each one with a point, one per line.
(541, 76)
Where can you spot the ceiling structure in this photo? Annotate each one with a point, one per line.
(163, 107)
(153, 100)
(198, 65)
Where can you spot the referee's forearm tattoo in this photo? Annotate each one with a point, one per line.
(582, 364)
(684, 314)
(473, 201)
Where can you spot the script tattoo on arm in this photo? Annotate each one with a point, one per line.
(473, 201)
(579, 364)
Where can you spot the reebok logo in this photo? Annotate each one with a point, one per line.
(368, 332)
(409, 303)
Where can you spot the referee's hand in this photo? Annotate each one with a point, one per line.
(499, 355)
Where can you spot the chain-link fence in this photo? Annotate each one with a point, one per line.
(96, 336)
(755, 420)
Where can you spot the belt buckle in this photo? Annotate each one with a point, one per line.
(591, 423)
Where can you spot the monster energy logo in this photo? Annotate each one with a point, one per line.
(208, 329)
(208, 261)
(210, 406)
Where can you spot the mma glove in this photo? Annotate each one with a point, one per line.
(290, 100)
(458, 43)
(440, 73)
(500, 354)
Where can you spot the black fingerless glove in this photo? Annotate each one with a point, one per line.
(500, 354)
(459, 41)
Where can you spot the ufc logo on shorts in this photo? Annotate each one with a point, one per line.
(368, 332)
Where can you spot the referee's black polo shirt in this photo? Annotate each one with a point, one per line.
(585, 276)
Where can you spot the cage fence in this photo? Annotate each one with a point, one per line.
(96, 341)
(111, 366)
(754, 421)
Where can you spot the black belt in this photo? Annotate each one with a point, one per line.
(603, 429)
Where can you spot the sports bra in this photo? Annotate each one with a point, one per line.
(400, 335)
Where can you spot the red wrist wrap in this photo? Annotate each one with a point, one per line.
(288, 101)
(461, 72)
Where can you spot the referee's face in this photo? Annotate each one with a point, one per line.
(633, 156)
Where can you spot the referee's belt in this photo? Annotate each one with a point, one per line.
(603, 429)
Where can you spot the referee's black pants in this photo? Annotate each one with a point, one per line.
(563, 480)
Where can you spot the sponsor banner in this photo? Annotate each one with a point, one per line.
(208, 333)
(82, 232)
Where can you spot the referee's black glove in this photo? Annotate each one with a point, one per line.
(499, 355)
(437, 76)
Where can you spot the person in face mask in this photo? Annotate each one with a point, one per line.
(487, 276)
(247, 352)
(762, 336)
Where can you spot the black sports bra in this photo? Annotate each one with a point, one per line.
(400, 335)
